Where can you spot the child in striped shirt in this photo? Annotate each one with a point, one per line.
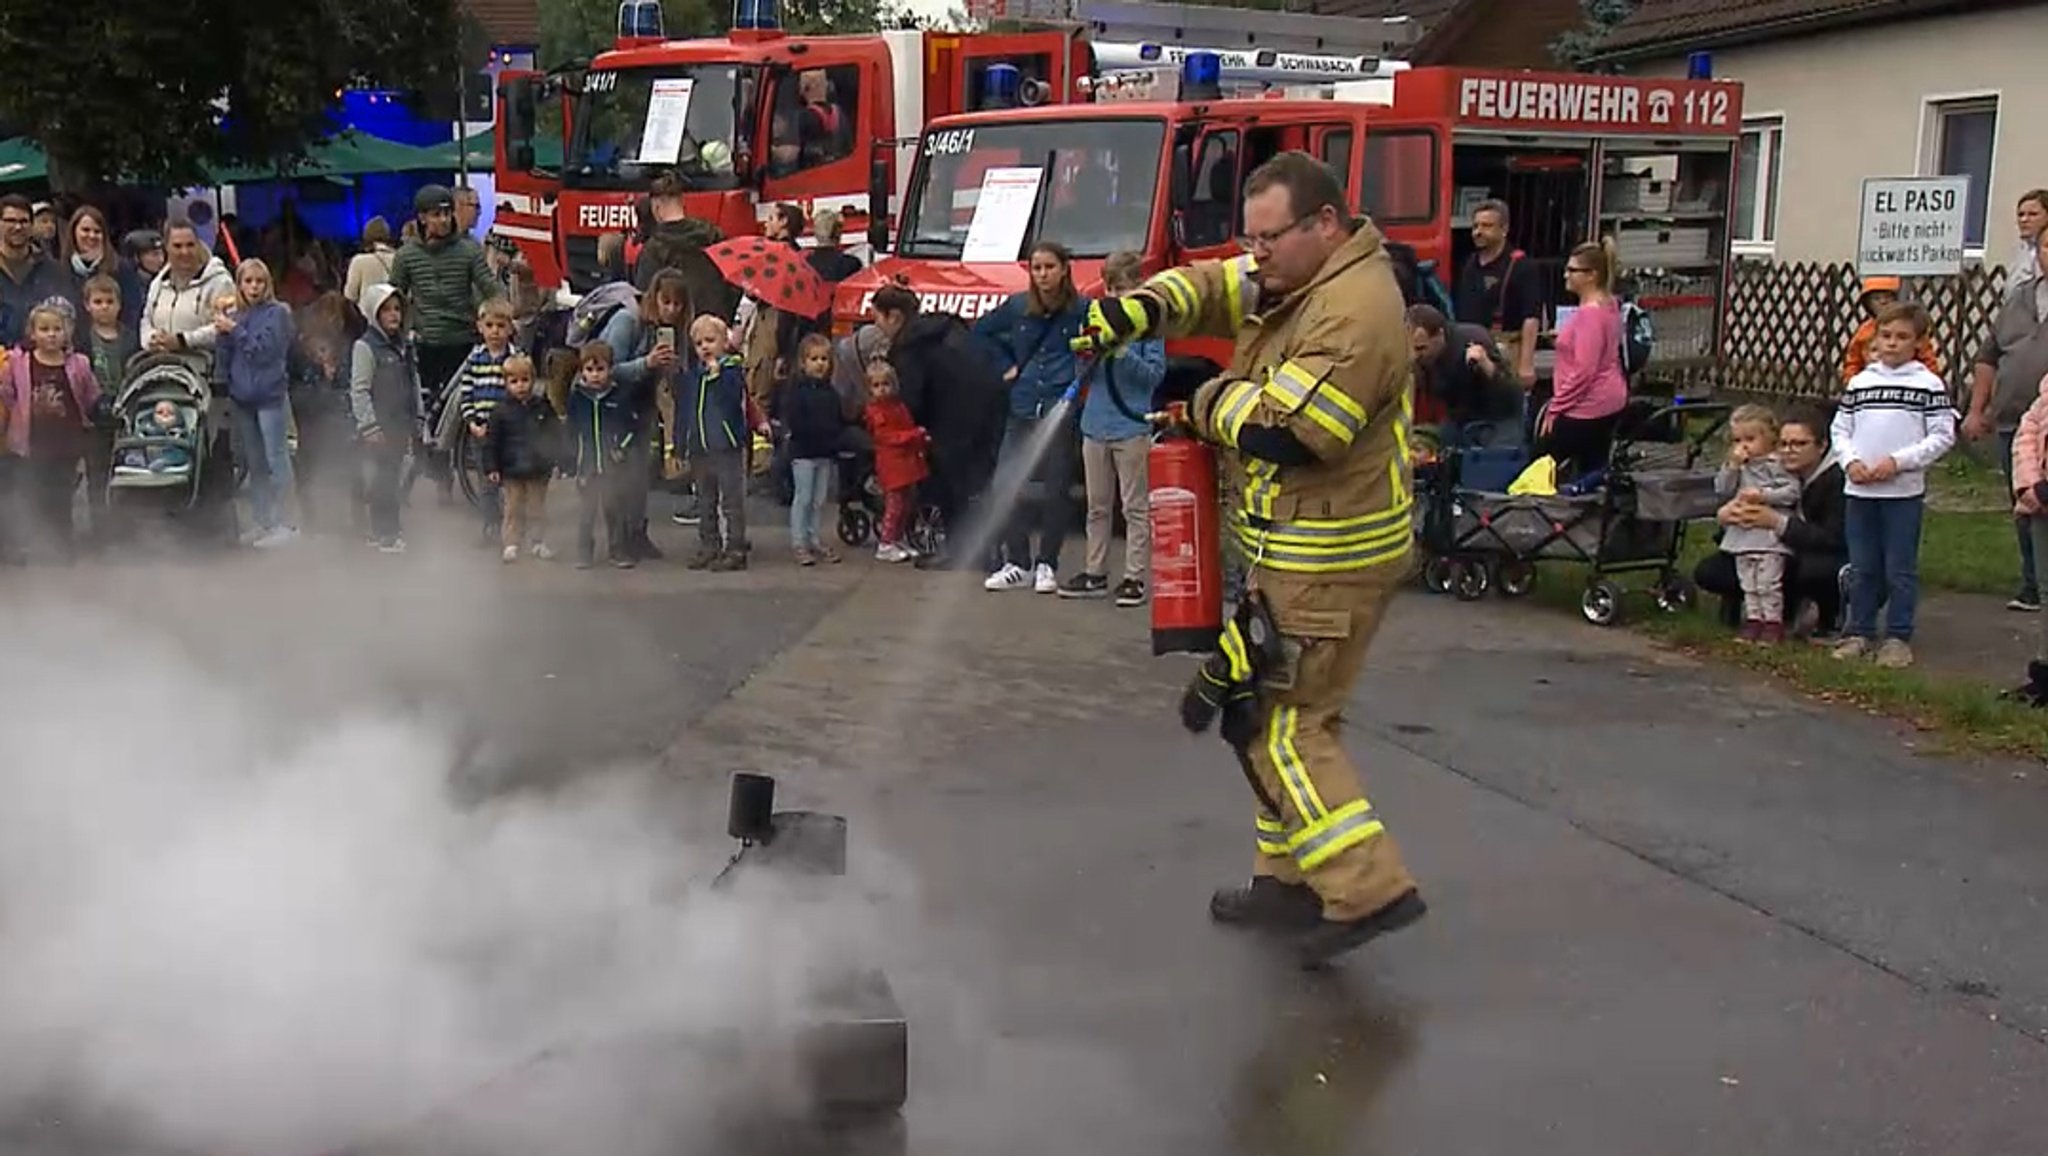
(482, 390)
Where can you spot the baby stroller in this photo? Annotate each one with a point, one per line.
(188, 475)
(1627, 517)
(861, 507)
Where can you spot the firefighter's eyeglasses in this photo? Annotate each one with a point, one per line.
(1265, 241)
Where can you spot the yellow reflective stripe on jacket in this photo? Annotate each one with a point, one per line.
(1261, 488)
(1335, 833)
(1272, 837)
(1405, 418)
(1178, 289)
(1239, 290)
(1302, 560)
(1330, 531)
(1322, 545)
(1231, 643)
(1232, 408)
(1301, 790)
(1296, 390)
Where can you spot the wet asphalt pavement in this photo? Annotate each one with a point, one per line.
(1672, 911)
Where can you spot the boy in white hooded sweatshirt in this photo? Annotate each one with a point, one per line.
(1895, 420)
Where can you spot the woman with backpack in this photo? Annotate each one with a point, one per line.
(1588, 387)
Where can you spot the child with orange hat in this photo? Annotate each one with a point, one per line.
(1879, 292)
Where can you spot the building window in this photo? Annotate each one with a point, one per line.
(1756, 190)
(1962, 137)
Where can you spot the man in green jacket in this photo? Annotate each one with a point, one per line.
(446, 279)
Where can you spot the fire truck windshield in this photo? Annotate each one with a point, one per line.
(1097, 180)
(631, 123)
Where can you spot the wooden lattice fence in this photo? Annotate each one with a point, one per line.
(1789, 323)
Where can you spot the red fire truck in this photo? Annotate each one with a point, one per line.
(759, 117)
(1650, 162)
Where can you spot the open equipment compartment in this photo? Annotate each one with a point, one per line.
(1546, 182)
(1666, 204)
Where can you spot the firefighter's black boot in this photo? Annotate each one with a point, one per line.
(1332, 939)
(1267, 904)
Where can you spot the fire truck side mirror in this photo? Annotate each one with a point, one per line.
(1180, 184)
(878, 202)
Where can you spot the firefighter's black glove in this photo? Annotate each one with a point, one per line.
(1206, 693)
(1241, 719)
(1224, 676)
(1114, 322)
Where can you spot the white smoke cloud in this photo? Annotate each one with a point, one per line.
(237, 930)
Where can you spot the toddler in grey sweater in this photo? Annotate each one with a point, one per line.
(1752, 475)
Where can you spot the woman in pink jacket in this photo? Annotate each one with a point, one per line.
(1588, 388)
(2030, 501)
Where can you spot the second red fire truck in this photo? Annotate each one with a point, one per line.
(1155, 167)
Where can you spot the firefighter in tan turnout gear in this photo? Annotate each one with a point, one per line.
(1311, 418)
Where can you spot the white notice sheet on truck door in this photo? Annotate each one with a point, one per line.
(1002, 215)
(668, 110)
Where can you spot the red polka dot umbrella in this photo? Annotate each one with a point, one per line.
(773, 271)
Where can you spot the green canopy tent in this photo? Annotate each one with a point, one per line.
(21, 160)
(482, 153)
(337, 158)
(351, 154)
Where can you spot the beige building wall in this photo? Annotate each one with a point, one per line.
(1856, 103)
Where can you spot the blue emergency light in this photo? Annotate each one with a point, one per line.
(1201, 76)
(640, 19)
(1000, 85)
(1699, 66)
(757, 15)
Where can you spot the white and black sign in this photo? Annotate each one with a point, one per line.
(602, 217)
(950, 142)
(966, 306)
(1912, 226)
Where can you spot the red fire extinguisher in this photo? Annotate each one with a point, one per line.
(1187, 529)
(1187, 544)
